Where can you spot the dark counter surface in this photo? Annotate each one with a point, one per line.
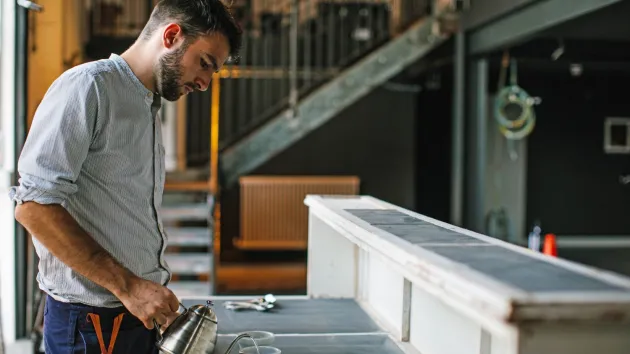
(306, 326)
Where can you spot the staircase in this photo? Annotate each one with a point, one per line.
(304, 64)
(187, 222)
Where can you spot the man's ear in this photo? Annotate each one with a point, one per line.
(171, 35)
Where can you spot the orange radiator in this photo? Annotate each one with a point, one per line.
(273, 214)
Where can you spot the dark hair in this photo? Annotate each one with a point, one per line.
(197, 17)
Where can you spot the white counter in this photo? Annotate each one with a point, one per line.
(440, 289)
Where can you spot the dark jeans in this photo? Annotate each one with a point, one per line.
(68, 329)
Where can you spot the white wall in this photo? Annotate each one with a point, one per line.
(7, 114)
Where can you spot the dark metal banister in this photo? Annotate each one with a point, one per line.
(292, 47)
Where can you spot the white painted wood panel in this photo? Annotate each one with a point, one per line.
(332, 261)
(436, 328)
(384, 293)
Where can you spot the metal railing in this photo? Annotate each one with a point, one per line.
(111, 26)
(291, 47)
(117, 18)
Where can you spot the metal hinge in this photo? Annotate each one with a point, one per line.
(30, 5)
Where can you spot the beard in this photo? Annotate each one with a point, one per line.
(169, 75)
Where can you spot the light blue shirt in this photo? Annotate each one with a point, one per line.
(95, 147)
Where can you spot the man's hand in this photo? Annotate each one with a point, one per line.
(150, 301)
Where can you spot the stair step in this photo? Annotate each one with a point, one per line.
(189, 263)
(190, 174)
(173, 186)
(182, 212)
(183, 197)
(188, 236)
(190, 288)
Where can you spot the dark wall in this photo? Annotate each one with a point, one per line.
(573, 187)
(433, 162)
(373, 139)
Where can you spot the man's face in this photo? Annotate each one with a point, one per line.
(186, 67)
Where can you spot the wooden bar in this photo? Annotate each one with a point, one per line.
(187, 186)
(427, 283)
(181, 134)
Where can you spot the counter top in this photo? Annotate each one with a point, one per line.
(305, 326)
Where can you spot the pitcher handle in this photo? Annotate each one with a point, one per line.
(159, 328)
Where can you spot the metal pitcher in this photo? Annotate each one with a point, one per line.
(192, 332)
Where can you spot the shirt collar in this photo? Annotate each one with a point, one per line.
(122, 64)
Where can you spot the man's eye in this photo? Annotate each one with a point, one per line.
(204, 64)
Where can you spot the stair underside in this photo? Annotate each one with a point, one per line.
(325, 103)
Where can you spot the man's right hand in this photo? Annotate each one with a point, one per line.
(148, 300)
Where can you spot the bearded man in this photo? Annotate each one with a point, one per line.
(92, 176)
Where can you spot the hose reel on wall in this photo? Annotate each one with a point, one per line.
(513, 107)
(514, 114)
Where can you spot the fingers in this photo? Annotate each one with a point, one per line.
(149, 301)
(173, 302)
(171, 319)
(160, 318)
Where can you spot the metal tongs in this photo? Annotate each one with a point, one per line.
(260, 304)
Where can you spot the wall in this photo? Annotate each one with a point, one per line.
(54, 46)
(573, 186)
(433, 145)
(373, 139)
(505, 183)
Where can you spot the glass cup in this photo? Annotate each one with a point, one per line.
(262, 349)
(262, 338)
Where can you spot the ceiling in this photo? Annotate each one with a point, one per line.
(610, 24)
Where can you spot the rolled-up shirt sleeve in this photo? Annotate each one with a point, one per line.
(58, 141)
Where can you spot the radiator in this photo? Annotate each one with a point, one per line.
(272, 211)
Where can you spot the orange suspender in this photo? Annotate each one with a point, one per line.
(96, 320)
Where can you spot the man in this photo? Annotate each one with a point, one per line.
(92, 176)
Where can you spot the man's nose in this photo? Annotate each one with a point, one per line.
(202, 83)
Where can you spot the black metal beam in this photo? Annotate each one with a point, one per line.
(477, 144)
(527, 22)
(457, 133)
(485, 11)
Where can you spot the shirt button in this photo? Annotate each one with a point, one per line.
(149, 95)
